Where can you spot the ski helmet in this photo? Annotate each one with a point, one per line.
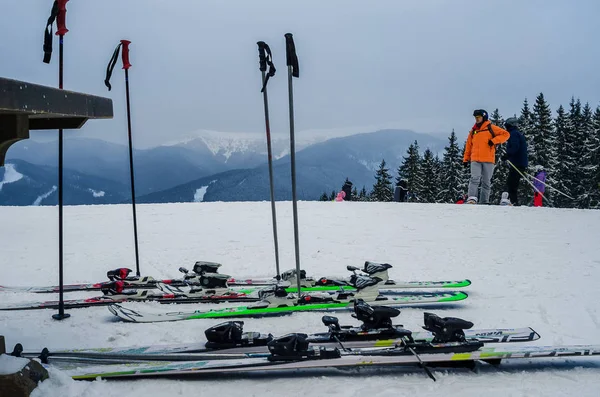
(511, 122)
(482, 113)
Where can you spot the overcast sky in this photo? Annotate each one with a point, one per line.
(416, 64)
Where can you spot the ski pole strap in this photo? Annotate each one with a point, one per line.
(265, 58)
(111, 66)
(292, 58)
(48, 33)
(125, 54)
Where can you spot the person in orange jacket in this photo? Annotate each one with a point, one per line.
(480, 153)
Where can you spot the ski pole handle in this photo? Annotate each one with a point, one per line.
(262, 57)
(291, 57)
(125, 54)
(61, 18)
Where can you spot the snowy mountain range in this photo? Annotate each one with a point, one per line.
(208, 166)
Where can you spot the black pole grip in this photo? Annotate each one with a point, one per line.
(262, 57)
(292, 58)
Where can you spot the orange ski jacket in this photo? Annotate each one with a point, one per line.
(477, 147)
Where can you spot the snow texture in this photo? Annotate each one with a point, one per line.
(199, 195)
(38, 200)
(10, 365)
(533, 267)
(97, 193)
(229, 143)
(10, 175)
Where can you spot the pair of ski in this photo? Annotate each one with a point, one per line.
(278, 301)
(445, 341)
(228, 340)
(205, 274)
(216, 289)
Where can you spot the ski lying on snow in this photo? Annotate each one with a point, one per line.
(341, 359)
(199, 351)
(280, 307)
(203, 268)
(135, 296)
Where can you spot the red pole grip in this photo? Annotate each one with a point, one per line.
(61, 18)
(125, 54)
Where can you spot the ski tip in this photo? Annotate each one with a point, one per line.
(458, 284)
(455, 297)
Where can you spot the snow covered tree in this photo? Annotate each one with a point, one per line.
(324, 197)
(593, 150)
(561, 163)
(575, 129)
(430, 183)
(526, 127)
(410, 169)
(332, 196)
(451, 174)
(354, 193)
(363, 195)
(496, 118)
(382, 189)
(500, 171)
(586, 168)
(541, 137)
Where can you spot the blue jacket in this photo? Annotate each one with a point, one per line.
(516, 148)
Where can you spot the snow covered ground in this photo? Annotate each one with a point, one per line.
(535, 267)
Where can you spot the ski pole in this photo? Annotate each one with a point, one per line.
(109, 69)
(59, 12)
(421, 363)
(529, 182)
(265, 57)
(293, 71)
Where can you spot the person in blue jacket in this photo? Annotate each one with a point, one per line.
(516, 153)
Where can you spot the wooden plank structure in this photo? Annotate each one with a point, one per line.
(25, 106)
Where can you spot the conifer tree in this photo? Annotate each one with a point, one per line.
(526, 128)
(560, 164)
(363, 195)
(541, 136)
(324, 197)
(428, 191)
(500, 170)
(574, 149)
(410, 169)
(451, 174)
(594, 161)
(585, 167)
(382, 189)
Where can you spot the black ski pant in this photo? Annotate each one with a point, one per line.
(512, 184)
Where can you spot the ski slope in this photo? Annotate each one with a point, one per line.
(535, 267)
